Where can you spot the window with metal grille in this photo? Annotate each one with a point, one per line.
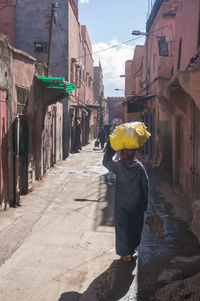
(22, 99)
(22, 95)
(163, 46)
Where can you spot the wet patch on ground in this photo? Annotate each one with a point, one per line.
(169, 251)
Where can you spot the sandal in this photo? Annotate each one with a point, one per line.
(126, 258)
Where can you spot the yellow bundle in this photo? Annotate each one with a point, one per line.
(129, 135)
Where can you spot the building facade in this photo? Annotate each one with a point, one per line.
(60, 49)
(99, 97)
(169, 100)
(31, 123)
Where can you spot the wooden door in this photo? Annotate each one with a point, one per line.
(195, 152)
(3, 149)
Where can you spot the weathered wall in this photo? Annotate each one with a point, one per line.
(163, 26)
(31, 19)
(17, 69)
(7, 19)
(187, 29)
(23, 70)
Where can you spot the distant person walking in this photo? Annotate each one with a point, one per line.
(77, 142)
(102, 137)
(131, 197)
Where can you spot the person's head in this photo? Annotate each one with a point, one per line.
(127, 156)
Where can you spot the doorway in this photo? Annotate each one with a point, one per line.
(3, 149)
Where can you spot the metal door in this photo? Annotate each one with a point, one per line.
(20, 144)
(195, 152)
(179, 151)
(53, 137)
(23, 154)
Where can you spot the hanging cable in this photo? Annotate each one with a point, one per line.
(114, 46)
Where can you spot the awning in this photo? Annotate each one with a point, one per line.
(56, 83)
(93, 106)
(83, 108)
(52, 89)
(137, 103)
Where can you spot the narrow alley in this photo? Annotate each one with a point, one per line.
(76, 75)
(62, 238)
(59, 245)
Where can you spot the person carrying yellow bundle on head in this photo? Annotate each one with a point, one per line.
(130, 135)
(132, 186)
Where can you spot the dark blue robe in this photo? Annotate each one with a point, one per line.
(131, 197)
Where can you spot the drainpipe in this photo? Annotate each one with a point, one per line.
(146, 66)
(53, 19)
(18, 133)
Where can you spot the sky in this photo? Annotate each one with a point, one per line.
(110, 22)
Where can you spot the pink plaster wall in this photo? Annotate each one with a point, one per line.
(187, 27)
(82, 65)
(89, 71)
(138, 68)
(163, 25)
(73, 46)
(186, 148)
(129, 82)
(7, 19)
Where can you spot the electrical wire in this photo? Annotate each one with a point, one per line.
(117, 45)
(114, 46)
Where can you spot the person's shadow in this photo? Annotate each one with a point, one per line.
(111, 285)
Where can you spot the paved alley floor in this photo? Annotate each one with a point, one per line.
(60, 244)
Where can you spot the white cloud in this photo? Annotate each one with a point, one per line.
(113, 65)
(84, 1)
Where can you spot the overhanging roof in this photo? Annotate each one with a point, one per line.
(136, 103)
(93, 106)
(139, 98)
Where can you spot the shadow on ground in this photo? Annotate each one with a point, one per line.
(167, 244)
(104, 204)
(111, 285)
(106, 194)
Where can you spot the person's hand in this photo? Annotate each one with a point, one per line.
(109, 150)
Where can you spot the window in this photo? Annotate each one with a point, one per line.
(22, 99)
(22, 95)
(40, 47)
(163, 46)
